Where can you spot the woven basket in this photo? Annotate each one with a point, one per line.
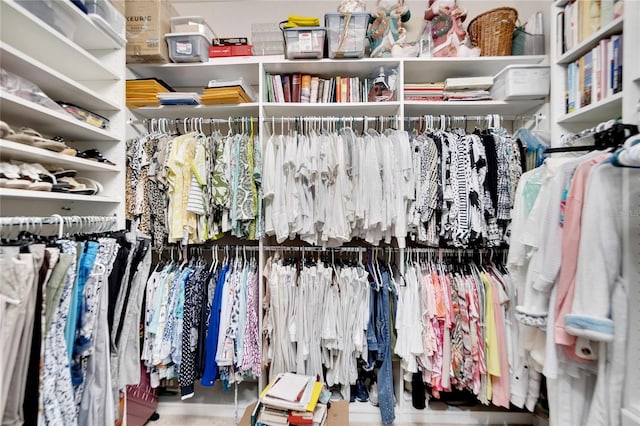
(492, 31)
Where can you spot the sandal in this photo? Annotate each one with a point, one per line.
(41, 179)
(94, 155)
(10, 177)
(31, 137)
(5, 130)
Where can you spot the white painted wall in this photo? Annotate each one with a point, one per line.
(233, 18)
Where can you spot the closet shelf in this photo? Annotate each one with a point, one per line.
(49, 46)
(508, 109)
(198, 75)
(7, 193)
(20, 112)
(17, 151)
(52, 82)
(330, 67)
(614, 27)
(600, 111)
(422, 70)
(203, 111)
(89, 35)
(272, 109)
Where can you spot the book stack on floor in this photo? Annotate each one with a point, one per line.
(468, 89)
(290, 399)
(227, 92)
(144, 92)
(424, 91)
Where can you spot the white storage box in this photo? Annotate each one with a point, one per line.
(192, 24)
(517, 82)
(188, 47)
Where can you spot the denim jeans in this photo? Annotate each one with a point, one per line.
(385, 372)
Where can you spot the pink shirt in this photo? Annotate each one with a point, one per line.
(570, 245)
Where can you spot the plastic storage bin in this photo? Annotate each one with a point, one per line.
(346, 34)
(304, 42)
(54, 15)
(188, 47)
(192, 24)
(103, 10)
(516, 82)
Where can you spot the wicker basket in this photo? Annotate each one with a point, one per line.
(492, 31)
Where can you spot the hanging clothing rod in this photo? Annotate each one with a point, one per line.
(330, 118)
(78, 224)
(200, 120)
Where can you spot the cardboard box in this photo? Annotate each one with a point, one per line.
(337, 415)
(147, 23)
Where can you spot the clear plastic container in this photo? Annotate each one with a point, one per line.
(346, 34)
(192, 24)
(56, 17)
(521, 82)
(304, 42)
(105, 10)
(188, 47)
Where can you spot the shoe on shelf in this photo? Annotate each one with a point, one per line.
(361, 391)
(373, 394)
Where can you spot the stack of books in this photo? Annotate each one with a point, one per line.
(307, 88)
(144, 92)
(424, 91)
(468, 89)
(290, 399)
(228, 92)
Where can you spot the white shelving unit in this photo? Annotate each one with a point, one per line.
(86, 70)
(413, 70)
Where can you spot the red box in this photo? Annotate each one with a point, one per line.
(241, 50)
(220, 51)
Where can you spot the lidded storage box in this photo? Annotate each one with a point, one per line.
(346, 34)
(188, 47)
(192, 24)
(516, 82)
(304, 42)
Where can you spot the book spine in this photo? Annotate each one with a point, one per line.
(338, 89)
(296, 82)
(617, 63)
(587, 86)
(321, 90)
(560, 42)
(313, 97)
(596, 92)
(344, 87)
(305, 89)
(286, 86)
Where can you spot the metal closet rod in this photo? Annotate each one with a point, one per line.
(174, 121)
(33, 224)
(345, 119)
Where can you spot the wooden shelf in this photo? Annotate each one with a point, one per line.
(293, 109)
(614, 27)
(508, 109)
(603, 110)
(27, 33)
(42, 195)
(202, 111)
(55, 84)
(30, 154)
(20, 112)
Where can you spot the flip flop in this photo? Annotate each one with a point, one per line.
(94, 155)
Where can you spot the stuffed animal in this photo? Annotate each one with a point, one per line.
(386, 29)
(449, 38)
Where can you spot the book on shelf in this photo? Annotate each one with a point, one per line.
(616, 71)
(296, 82)
(468, 83)
(587, 79)
(286, 86)
(561, 45)
(305, 89)
(313, 91)
(240, 82)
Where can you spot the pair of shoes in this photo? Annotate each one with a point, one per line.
(373, 394)
(361, 391)
(29, 176)
(94, 155)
